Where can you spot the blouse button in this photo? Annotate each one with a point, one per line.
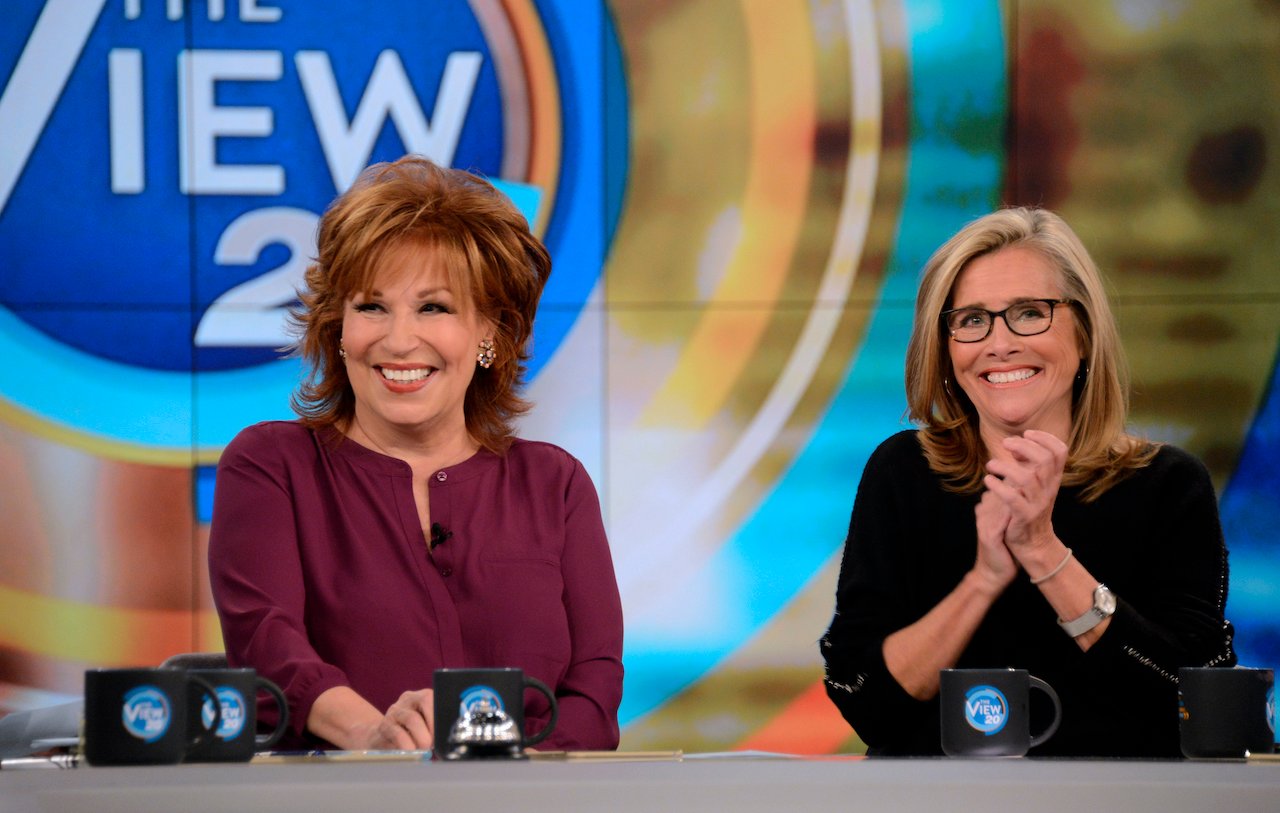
(442, 476)
(446, 572)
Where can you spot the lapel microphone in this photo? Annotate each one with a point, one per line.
(439, 534)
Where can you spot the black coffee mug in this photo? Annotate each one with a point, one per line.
(1224, 712)
(139, 716)
(480, 712)
(986, 712)
(236, 738)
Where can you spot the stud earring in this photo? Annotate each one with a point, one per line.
(487, 354)
(342, 351)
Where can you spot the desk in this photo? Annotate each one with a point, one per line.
(774, 785)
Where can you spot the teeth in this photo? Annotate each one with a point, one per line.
(1011, 376)
(405, 375)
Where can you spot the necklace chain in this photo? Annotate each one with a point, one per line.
(356, 420)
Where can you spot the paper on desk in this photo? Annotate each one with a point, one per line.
(606, 756)
(756, 755)
(322, 757)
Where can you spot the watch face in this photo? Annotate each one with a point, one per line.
(1104, 605)
(1104, 600)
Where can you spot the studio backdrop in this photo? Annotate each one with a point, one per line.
(738, 196)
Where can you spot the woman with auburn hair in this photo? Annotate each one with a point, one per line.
(398, 526)
(1020, 525)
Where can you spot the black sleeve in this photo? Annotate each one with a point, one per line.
(1170, 613)
(871, 604)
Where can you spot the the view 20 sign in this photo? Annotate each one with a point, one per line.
(163, 165)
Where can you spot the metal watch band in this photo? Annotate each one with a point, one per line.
(1104, 604)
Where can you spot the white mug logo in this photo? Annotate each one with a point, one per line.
(986, 709)
(474, 695)
(1271, 709)
(231, 704)
(146, 713)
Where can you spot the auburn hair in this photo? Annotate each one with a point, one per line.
(494, 263)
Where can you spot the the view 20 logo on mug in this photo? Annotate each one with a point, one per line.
(139, 716)
(986, 709)
(1271, 710)
(986, 712)
(147, 713)
(235, 737)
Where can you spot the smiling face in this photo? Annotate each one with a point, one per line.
(411, 350)
(1015, 382)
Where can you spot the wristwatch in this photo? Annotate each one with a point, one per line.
(1104, 604)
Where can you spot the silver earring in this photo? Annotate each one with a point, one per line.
(342, 351)
(487, 354)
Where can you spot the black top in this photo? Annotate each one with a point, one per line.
(1154, 539)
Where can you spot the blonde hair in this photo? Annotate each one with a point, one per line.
(1101, 451)
(492, 259)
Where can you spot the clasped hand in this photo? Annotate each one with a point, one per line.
(1015, 515)
(408, 723)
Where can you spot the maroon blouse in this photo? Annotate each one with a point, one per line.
(322, 576)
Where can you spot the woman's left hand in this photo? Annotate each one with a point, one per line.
(1028, 485)
(408, 724)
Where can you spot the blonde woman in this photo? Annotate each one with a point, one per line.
(1021, 525)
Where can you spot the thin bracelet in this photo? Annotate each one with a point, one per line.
(1046, 577)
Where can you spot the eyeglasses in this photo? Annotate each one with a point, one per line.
(1026, 318)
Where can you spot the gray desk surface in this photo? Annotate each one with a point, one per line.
(933, 785)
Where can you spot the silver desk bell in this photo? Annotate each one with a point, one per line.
(485, 731)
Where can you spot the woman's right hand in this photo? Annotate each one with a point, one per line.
(994, 565)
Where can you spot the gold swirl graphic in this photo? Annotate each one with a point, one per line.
(761, 190)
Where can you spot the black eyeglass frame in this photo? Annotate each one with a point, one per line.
(1052, 303)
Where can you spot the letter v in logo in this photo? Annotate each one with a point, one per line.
(38, 80)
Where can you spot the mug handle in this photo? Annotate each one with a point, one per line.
(534, 683)
(1037, 683)
(203, 733)
(262, 742)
